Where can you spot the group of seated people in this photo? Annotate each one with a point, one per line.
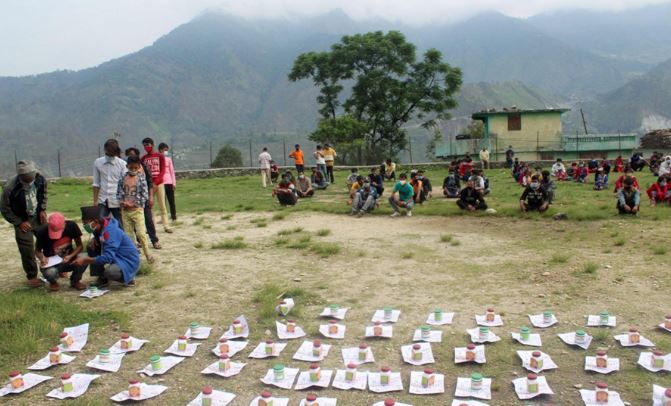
(289, 189)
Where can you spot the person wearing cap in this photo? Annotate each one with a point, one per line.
(24, 205)
(107, 171)
(402, 196)
(55, 239)
(112, 256)
(329, 156)
(299, 158)
(364, 199)
(628, 198)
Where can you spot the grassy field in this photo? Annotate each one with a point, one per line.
(235, 251)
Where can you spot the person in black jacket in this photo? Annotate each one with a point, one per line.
(24, 205)
(534, 197)
(470, 198)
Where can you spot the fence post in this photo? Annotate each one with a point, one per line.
(410, 148)
(619, 143)
(538, 147)
(210, 154)
(251, 163)
(496, 149)
(284, 142)
(577, 146)
(60, 174)
(16, 158)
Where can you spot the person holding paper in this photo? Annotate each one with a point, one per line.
(55, 251)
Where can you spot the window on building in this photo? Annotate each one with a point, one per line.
(515, 122)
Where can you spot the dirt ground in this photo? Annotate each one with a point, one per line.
(520, 267)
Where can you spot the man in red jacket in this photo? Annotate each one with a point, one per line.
(659, 191)
(155, 161)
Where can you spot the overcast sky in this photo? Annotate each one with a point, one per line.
(45, 35)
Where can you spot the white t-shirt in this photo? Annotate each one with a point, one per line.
(264, 160)
(319, 157)
(558, 166)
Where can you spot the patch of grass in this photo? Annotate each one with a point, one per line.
(258, 220)
(207, 226)
(326, 250)
(619, 242)
(559, 258)
(446, 237)
(602, 335)
(407, 254)
(199, 221)
(198, 245)
(189, 294)
(230, 244)
(158, 285)
(146, 269)
(227, 216)
(231, 228)
(302, 243)
(262, 224)
(279, 216)
(323, 232)
(32, 320)
(281, 241)
(270, 295)
(659, 250)
(590, 268)
(455, 243)
(289, 231)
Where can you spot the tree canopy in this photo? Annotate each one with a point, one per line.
(227, 157)
(387, 87)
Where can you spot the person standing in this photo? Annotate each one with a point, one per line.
(156, 164)
(169, 179)
(133, 194)
(56, 238)
(320, 160)
(299, 158)
(264, 163)
(389, 170)
(107, 171)
(329, 156)
(24, 205)
(148, 216)
(510, 154)
(484, 158)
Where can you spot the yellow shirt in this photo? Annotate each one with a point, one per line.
(329, 155)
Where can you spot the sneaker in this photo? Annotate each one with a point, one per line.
(395, 214)
(54, 286)
(168, 230)
(102, 282)
(132, 282)
(353, 212)
(34, 283)
(409, 213)
(360, 213)
(77, 285)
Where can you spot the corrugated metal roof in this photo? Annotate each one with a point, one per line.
(493, 112)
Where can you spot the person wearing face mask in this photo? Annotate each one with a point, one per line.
(304, 186)
(470, 198)
(628, 198)
(659, 192)
(534, 197)
(665, 167)
(169, 180)
(113, 255)
(600, 180)
(107, 171)
(354, 187)
(299, 158)
(628, 173)
(56, 238)
(133, 194)
(364, 199)
(148, 217)
(402, 196)
(155, 161)
(24, 205)
(417, 187)
(286, 191)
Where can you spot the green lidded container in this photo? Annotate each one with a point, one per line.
(524, 333)
(155, 361)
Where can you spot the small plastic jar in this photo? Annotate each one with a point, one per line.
(476, 381)
(532, 383)
(195, 328)
(470, 352)
(104, 356)
(55, 355)
(377, 329)
(237, 327)
(278, 372)
(601, 359)
(416, 352)
(270, 347)
(333, 327)
(385, 375)
(284, 308)
(428, 377)
(388, 312)
(93, 288)
(155, 361)
(536, 360)
(333, 309)
(634, 336)
(524, 333)
(134, 389)
(266, 398)
(66, 339)
(389, 402)
(657, 359)
(66, 383)
(667, 398)
(311, 400)
(224, 347)
(547, 317)
(490, 315)
(580, 337)
(206, 396)
(316, 348)
(315, 372)
(602, 393)
(483, 333)
(16, 379)
(425, 332)
(604, 317)
(438, 315)
(291, 326)
(181, 343)
(224, 363)
(126, 342)
(350, 372)
(363, 352)
(667, 322)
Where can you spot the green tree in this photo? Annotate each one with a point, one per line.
(476, 129)
(227, 157)
(389, 87)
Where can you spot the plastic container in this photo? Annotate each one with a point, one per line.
(385, 375)
(425, 332)
(476, 381)
(278, 372)
(315, 373)
(155, 361)
(657, 359)
(104, 356)
(93, 288)
(634, 336)
(291, 326)
(388, 312)
(470, 352)
(483, 333)
(270, 347)
(284, 308)
(667, 323)
(55, 355)
(524, 333)
(536, 360)
(377, 329)
(66, 339)
(206, 396)
(604, 317)
(311, 400)
(16, 380)
(416, 352)
(350, 372)
(333, 327)
(224, 363)
(333, 309)
(126, 342)
(547, 317)
(181, 343)
(66, 383)
(195, 328)
(316, 348)
(134, 389)
(428, 377)
(438, 315)
(532, 383)
(490, 315)
(224, 347)
(237, 327)
(667, 398)
(363, 352)
(389, 402)
(580, 337)
(602, 393)
(266, 398)
(601, 359)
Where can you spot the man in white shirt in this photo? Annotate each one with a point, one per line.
(320, 160)
(264, 163)
(107, 171)
(484, 158)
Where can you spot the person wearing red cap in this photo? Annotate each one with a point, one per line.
(55, 239)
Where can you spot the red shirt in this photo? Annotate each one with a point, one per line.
(661, 192)
(155, 162)
(619, 183)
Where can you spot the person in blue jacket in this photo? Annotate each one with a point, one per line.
(112, 255)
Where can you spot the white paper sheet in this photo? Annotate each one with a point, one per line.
(146, 392)
(304, 382)
(260, 350)
(435, 336)
(624, 341)
(569, 338)
(658, 395)
(90, 295)
(234, 347)
(534, 339)
(612, 365)
(593, 320)
(276, 401)
(359, 383)
(548, 363)
(290, 305)
(663, 327)
(520, 385)
(395, 404)
(286, 383)
(166, 364)
(213, 369)
(135, 345)
(645, 360)
(53, 261)
(30, 380)
(457, 402)
(230, 334)
(80, 384)
(351, 355)
(191, 349)
(283, 334)
(395, 383)
(537, 321)
(475, 336)
(460, 354)
(322, 402)
(80, 334)
(304, 352)
(112, 366)
(219, 398)
(45, 364)
(464, 390)
(340, 314)
(417, 388)
(446, 319)
(202, 334)
(387, 331)
(427, 354)
(379, 316)
(589, 398)
(481, 320)
(324, 330)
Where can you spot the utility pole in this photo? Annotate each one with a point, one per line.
(211, 154)
(584, 123)
(284, 143)
(577, 148)
(59, 164)
(16, 158)
(538, 148)
(619, 143)
(251, 163)
(410, 148)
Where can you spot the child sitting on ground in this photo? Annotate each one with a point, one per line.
(600, 180)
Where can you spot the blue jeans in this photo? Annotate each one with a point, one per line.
(394, 205)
